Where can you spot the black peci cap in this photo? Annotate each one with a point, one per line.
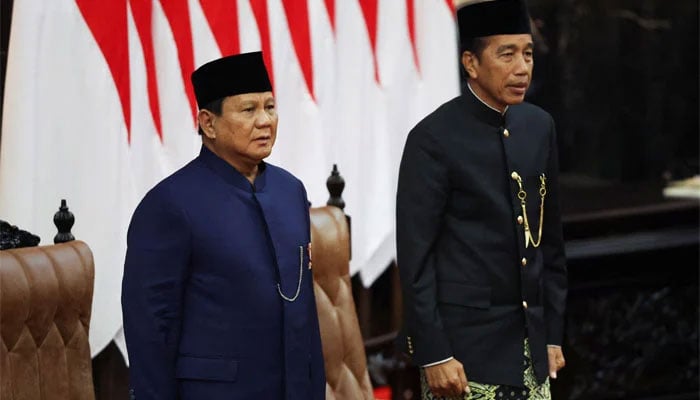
(229, 76)
(493, 17)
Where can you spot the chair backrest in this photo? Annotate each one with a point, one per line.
(45, 304)
(343, 349)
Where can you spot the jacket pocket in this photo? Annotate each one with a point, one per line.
(464, 295)
(206, 369)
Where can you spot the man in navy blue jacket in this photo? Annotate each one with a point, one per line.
(217, 294)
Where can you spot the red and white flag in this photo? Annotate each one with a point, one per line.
(99, 107)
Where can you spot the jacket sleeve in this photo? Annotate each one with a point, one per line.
(155, 271)
(554, 257)
(422, 193)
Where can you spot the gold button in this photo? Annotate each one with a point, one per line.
(506, 133)
(525, 305)
(514, 176)
(520, 219)
(523, 261)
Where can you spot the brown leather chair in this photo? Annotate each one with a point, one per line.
(343, 349)
(45, 305)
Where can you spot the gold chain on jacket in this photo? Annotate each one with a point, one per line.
(522, 195)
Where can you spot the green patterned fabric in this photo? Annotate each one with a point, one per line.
(479, 391)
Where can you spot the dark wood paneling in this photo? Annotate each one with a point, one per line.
(110, 374)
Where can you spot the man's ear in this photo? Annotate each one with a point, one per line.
(470, 62)
(205, 118)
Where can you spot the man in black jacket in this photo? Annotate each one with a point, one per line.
(479, 237)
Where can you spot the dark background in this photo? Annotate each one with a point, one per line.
(620, 78)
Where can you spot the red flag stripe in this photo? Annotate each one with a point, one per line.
(330, 9)
(298, 21)
(222, 16)
(369, 11)
(178, 16)
(411, 19)
(142, 11)
(259, 8)
(108, 23)
(451, 6)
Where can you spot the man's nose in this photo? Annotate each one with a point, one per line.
(522, 65)
(263, 118)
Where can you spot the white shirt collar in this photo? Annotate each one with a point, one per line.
(479, 98)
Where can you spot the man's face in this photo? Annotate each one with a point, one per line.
(501, 75)
(246, 129)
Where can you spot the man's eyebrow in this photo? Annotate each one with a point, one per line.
(246, 104)
(512, 47)
(506, 47)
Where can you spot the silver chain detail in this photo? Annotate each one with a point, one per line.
(301, 275)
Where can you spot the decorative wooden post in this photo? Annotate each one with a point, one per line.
(335, 184)
(363, 297)
(64, 220)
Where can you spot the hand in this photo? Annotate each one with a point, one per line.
(447, 379)
(556, 360)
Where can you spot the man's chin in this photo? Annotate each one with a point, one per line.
(263, 154)
(516, 100)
